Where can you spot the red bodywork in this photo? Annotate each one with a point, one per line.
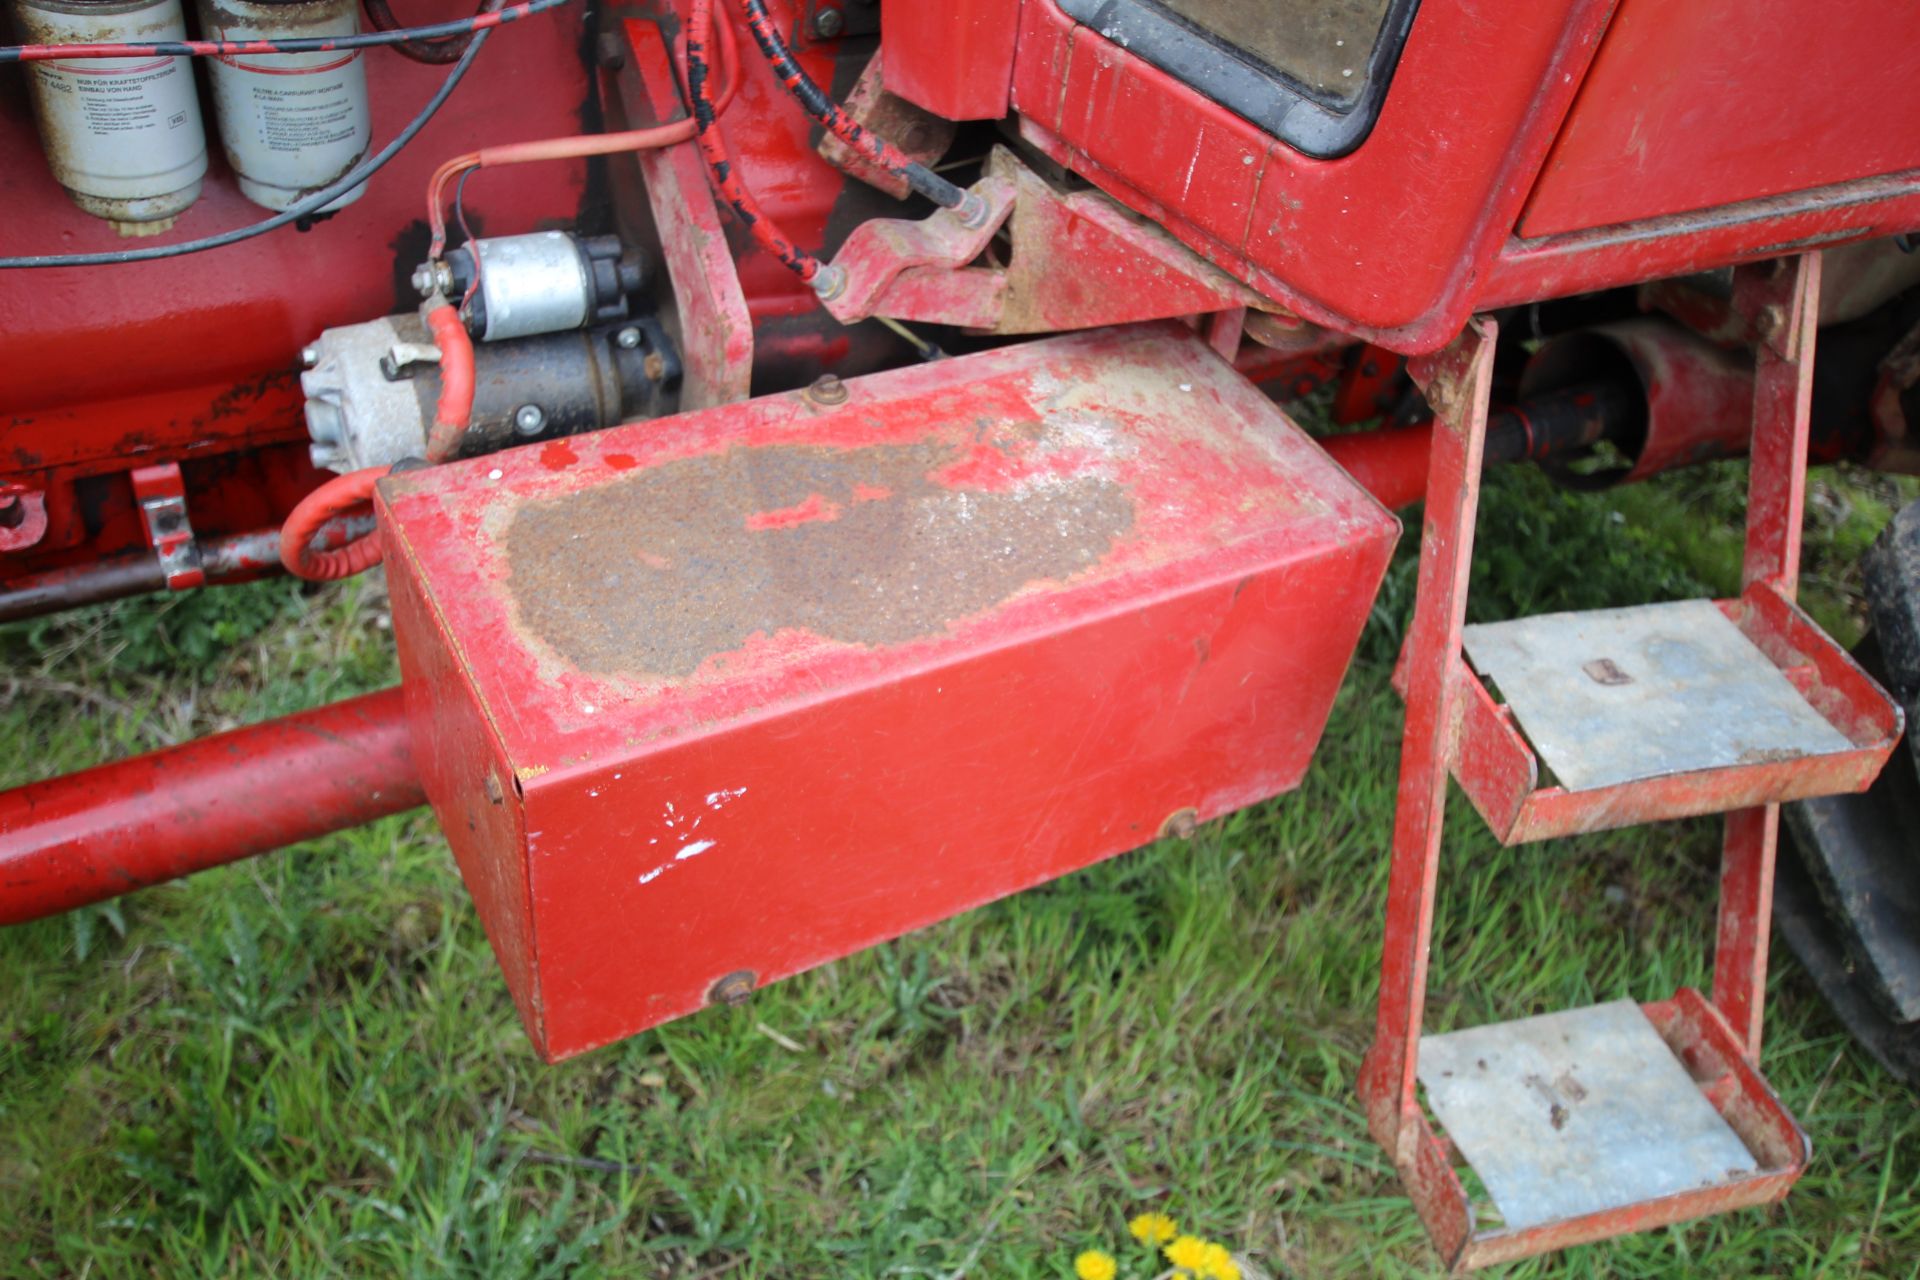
(970, 628)
(1723, 110)
(847, 782)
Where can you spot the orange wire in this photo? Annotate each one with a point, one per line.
(578, 146)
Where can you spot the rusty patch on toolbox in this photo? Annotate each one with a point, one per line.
(657, 571)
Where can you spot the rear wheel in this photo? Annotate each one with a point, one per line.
(1847, 897)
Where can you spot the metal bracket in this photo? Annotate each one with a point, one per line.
(23, 517)
(162, 496)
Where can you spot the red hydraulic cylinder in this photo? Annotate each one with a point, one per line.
(93, 835)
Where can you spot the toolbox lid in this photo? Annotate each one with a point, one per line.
(634, 584)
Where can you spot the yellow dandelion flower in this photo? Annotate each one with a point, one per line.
(1217, 1264)
(1187, 1252)
(1153, 1228)
(1095, 1265)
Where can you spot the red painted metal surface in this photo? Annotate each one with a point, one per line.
(1072, 261)
(716, 333)
(1384, 242)
(1389, 463)
(753, 688)
(954, 58)
(1526, 270)
(89, 836)
(195, 359)
(911, 268)
(1695, 104)
(1458, 382)
(1781, 302)
(1699, 396)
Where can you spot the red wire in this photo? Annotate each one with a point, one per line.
(575, 147)
(351, 494)
(455, 407)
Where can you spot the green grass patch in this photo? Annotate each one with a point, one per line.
(307, 1065)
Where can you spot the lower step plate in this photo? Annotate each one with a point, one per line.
(1577, 1113)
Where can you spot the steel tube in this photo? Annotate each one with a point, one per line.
(93, 835)
(237, 557)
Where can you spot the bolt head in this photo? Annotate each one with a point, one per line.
(733, 989)
(432, 277)
(1180, 825)
(827, 389)
(529, 419)
(628, 338)
(828, 23)
(309, 357)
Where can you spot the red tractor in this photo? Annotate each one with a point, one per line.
(840, 476)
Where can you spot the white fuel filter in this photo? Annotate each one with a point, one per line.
(291, 123)
(122, 135)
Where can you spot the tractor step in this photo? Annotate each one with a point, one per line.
(1591, 1115)
(1621, 716)
(1576, 1127)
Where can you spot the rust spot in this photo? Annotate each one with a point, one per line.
(657, 571)
(1606, 671)
(1770, 755)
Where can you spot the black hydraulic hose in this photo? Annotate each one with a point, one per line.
(828, 114)
(713, 148)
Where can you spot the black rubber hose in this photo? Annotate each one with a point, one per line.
(826, 112)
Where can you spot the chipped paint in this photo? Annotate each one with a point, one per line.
(657, 571)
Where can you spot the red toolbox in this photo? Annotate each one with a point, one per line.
(707, 701)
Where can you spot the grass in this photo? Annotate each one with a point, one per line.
(307, 1065)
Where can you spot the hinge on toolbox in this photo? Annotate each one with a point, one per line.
(1596, 1122)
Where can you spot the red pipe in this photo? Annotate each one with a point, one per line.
(1390, 463)
(89, 836)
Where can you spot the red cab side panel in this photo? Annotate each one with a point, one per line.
(1385, 241)
(1693, 104)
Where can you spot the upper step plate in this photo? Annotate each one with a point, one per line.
(1618, 695)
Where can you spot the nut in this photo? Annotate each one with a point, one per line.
(432, 277)
(529, 420)
(733, 989)
(828, 23)
(628, 338)
(827, 389)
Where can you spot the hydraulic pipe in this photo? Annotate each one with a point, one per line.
(89, 836)
(1391, 463)
(237, 558)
